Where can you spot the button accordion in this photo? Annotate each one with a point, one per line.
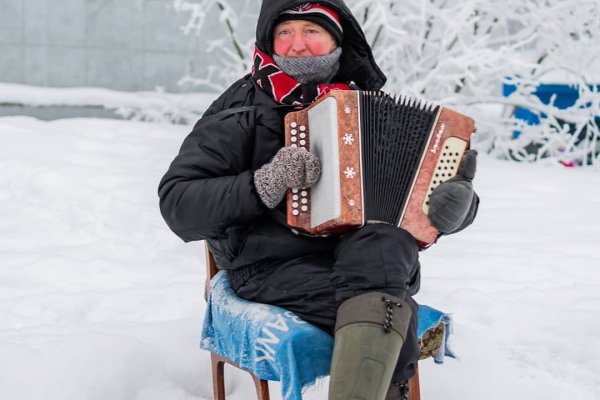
(381, 158)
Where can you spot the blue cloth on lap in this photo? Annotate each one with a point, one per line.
(275, 344)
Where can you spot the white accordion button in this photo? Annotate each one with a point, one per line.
(295, 190)
(293, 131)
(295, 197)
(302, 128)
(304, 193)
(302, 142)
(304, 200)
(294, 139)
(302, 135)
(304, 208)
(293, 124)
(295, 212)
(295, 204)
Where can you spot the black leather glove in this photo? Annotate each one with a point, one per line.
(292, 167)
(453, 202)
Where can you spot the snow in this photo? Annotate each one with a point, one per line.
(100, 300)
(12, 93)
(154, 106)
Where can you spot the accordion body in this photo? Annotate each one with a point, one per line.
(381, 158)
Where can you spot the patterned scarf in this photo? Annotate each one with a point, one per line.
(283, 88)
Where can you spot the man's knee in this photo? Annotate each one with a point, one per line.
(376, 258)
(378, 244)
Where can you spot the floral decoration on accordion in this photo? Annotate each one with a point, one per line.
(347, 110)
(348, 138)
(350, 172)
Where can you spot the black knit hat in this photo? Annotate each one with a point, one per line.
(319, 14)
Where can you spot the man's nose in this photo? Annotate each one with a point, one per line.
(298, 44)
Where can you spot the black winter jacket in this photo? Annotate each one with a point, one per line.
(208, 191)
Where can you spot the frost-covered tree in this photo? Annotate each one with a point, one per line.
(459, 53)
(231, 47)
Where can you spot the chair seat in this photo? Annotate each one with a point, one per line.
(274, 344)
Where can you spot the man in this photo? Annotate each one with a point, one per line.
(227, 184)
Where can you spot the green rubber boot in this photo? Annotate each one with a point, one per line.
(369, 333)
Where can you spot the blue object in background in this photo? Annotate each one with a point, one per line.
(565, 97)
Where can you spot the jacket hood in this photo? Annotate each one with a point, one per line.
(357, 63)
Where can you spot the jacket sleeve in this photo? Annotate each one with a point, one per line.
(209, 185)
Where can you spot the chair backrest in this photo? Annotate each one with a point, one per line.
(211, 270)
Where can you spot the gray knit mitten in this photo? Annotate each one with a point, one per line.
(451, 202)
(292, 167)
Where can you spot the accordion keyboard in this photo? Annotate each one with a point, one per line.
(446, 166)
(299, 201)
(298, 135)
(300, 198)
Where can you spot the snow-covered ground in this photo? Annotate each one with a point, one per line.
(99, 300)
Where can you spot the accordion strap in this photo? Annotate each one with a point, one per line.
(236, 110)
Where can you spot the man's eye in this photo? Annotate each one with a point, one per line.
(284, 32)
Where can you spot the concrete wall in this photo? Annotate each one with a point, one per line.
(117, 44)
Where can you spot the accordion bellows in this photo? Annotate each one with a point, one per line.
(381, 158)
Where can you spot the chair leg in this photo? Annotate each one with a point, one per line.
(218, 376)
(262, 388)
(414, 389)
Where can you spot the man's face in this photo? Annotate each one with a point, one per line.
(299, 38)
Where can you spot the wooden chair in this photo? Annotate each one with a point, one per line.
(262, 386)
